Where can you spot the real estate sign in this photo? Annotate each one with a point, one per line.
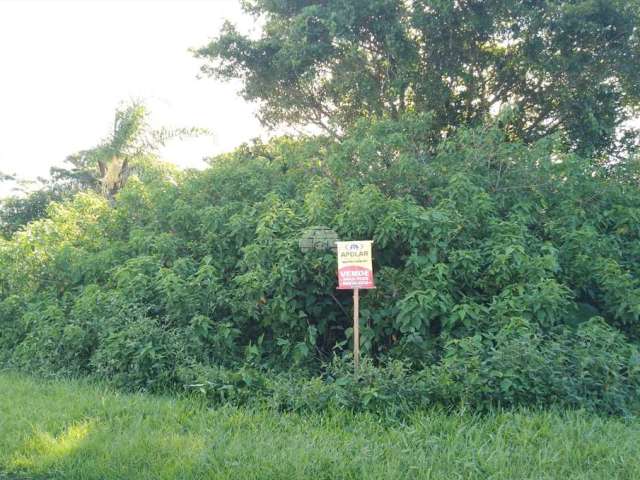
(355, 269)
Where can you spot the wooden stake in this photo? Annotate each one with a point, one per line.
(356, 328)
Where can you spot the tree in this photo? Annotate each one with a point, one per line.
(104, 168)
(566, 66)
(107, 166)
(18, 211)
(30, 200)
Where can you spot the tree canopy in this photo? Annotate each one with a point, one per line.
(567, 66)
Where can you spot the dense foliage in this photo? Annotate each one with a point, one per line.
(507, 273)
(570, 66)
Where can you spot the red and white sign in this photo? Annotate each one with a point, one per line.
(355, 268)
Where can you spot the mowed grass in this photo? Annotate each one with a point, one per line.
(72, 430)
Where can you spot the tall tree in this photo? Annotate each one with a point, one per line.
(107, 166)
(568, 66)
(104, 168)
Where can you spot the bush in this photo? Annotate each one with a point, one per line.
(491, 259)
(137, 355)
(593, 367)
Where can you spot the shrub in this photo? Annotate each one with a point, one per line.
(593, 367)
(491, 257)
(139, 354)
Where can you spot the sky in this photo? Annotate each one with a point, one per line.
(65, 66)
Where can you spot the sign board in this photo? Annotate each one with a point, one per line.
(355, 269)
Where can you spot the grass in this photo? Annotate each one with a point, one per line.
(73, 430)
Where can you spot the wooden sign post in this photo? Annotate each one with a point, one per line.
(355, 272)
(356, 328)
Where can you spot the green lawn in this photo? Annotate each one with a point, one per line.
(72, 430)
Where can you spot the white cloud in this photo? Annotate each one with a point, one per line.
(66, 65)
